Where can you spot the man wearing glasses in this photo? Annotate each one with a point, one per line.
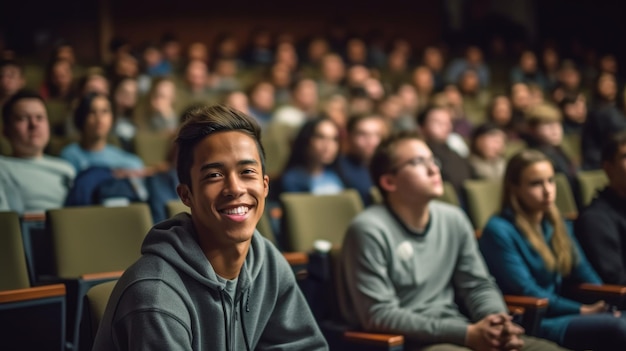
(406, 262)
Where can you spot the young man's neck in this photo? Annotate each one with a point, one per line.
(415, 215)
(226, 260)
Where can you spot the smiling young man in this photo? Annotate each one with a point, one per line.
(405, 263)
(209, 280)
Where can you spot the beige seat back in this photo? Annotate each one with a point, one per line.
(589, 182)
(309, 217)
(13, 267)
(95, 239)
(483, 200)
(565, 201)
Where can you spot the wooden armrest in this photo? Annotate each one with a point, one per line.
(37, 292)
(296, 258)
(102, 275)
(526, 301)
(374, 338)
(34, 216)
(604, 289)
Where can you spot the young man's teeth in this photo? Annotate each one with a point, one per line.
(237, 210)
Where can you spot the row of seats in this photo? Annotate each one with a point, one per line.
(92, 245)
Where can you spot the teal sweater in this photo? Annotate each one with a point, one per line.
(398, 281)
(519, 270)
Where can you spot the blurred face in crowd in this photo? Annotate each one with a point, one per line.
(96, 84)
(438, 125)
(433, 58)
(281, 75)
(469, 83)
(126, 66)
(528, 62)
(99, 120)
(62, 75)
(305, 94)
(520, 96)
(410, 100)
(238, 100)
(576, 111)
(317, 49)
(262, 97)
(607, 87)
(197, 75)
(28, 130)
(550, 59)
(333, 68)
(324, 144)
(474, 55)
(198, 51)
(366, 136)
(423, 80)
(550, 133)
(501, 112)
(356, 51)
(569, 77)
(357, 75)
(491, 145)
(396, 61)
(336, 108)
(126, 94)
(11, 80)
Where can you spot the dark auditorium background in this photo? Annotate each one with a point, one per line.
(32, 27)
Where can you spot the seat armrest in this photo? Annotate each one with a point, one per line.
(607, 289)
(38, 292)
(525, 301)
(296, 258)
(102, 276)
(590, 293)
(384, 340)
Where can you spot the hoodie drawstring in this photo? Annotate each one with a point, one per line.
(226, 329)
(243, 324)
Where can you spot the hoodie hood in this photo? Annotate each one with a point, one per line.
(175, 240)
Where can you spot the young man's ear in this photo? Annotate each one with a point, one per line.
(184, 194)
(387, 182)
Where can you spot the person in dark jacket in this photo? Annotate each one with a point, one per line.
(208, 280)
(601, 227)
(605, 118)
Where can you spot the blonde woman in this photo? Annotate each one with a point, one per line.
(530, 250)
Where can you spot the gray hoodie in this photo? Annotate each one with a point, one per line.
(172, 299)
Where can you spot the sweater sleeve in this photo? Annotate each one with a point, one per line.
(504, 259)
(472, 281)
(601, 242)
(371, 292)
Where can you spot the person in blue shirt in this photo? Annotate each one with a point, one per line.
(311, 167)
(530, 250)
(93, 117)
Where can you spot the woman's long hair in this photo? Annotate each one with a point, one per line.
(558, 255)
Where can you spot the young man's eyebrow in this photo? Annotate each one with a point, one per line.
(212, 165)
(221, 164)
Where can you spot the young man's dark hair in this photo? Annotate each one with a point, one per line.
(612, 146)
(202, 121)
(7, 109)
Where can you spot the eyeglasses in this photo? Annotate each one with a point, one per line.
(418, 161)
